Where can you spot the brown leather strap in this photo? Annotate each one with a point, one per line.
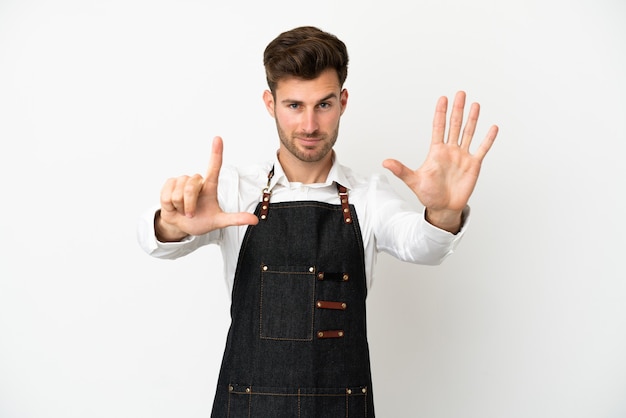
(265, 206)
(345, 205)
(332, 333)
(325, 304)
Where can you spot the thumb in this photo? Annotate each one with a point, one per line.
(398, 169)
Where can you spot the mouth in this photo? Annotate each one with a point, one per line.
(309, 141)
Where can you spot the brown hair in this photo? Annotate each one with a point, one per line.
(304, 52)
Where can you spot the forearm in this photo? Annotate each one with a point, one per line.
(147, 239)
(409, 237)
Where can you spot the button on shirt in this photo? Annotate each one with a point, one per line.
(388, 223)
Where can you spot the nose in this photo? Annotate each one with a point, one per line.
(309, 121)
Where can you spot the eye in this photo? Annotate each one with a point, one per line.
(324, 105)
(293, 106)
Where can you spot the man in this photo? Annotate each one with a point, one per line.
(299, 237)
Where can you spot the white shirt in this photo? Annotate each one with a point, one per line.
(388, 223)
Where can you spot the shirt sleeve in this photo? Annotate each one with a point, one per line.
(169, 250)
(403, 232)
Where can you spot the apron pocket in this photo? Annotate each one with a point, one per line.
(287, 303)
(263, 402)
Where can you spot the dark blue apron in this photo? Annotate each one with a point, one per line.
(297, 344)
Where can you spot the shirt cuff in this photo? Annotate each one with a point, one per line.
(146, 236)
(443, 236)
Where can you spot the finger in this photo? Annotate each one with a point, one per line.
(177, 195)
(215, 161)
(439, 121)
(191, 190)
(485, 146)
(166, 195)
(398, 169)
(238, 219)
(456, 118)
(470, 126)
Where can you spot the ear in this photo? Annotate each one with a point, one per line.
(344, 100)
(268, 99)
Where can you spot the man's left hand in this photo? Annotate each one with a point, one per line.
(446, 179)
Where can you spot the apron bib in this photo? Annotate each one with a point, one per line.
(297, 344)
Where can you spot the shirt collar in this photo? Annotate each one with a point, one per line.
(337, 174)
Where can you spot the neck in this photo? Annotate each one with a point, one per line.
(305, 172)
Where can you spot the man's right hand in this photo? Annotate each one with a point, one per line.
(189, 204)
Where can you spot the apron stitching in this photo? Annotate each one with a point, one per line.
(365, 404)
(264, 337)
(250, 403)
(229, 395)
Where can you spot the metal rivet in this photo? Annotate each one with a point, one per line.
(264, 207)
(346, 210)
(340, 333)
(266, 199)
(344, 201)
(348, 220)
(263, 216)
(320, 275)
(311, 269)
(349, 391)
(344, 305)
(230, 388)
(264, 268)
(320, 334)
(319, 304)
(364, 390)
(248, 390)
(346, 276)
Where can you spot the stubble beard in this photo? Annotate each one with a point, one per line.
(308, 154)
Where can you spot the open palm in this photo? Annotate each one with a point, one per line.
(448, 176)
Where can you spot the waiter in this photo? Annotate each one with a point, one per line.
(299, 235)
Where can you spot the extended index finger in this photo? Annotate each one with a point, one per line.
(215, 161)
(485, 146)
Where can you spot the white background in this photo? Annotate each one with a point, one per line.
(101, 101)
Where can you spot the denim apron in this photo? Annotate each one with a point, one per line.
(297, 344)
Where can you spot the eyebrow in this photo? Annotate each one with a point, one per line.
(323, 99)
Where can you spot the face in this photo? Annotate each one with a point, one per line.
(307, 114)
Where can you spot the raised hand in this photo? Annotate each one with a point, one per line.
(189, 204)
(446, 179)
